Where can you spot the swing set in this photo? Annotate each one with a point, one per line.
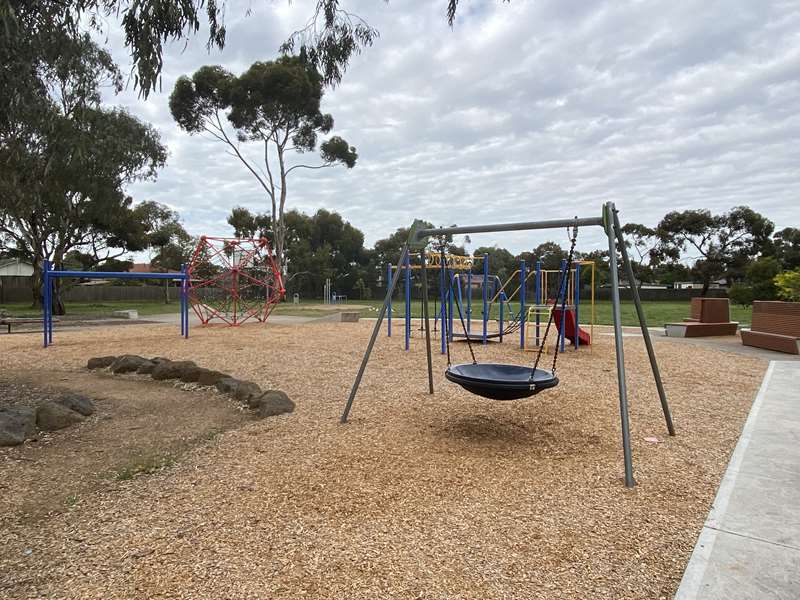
(514, 382)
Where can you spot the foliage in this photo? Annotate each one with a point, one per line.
(275, 103)
(723, 244)
(788, 284)
(760, 275)
(740, 293)
(64, 164)
(787, 247)
(501, 262)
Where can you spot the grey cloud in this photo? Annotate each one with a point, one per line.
(522, 111)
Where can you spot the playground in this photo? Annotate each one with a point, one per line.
(417, 496)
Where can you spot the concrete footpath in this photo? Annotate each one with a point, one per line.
(749, 547)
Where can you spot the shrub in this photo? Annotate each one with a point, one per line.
(788, 284)
(741, 294)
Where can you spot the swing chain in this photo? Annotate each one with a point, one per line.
(562, 287)
(446, 320)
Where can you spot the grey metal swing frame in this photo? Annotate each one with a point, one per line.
(609, 221)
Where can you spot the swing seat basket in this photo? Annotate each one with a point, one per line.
(501, 382)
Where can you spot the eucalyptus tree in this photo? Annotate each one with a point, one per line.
(65, 161)
(275, 104)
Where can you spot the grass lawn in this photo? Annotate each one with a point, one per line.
(658, 313)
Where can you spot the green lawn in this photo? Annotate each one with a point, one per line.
(658, 313)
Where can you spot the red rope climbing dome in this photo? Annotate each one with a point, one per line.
(234, 280)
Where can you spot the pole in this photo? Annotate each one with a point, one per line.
(374, 336)
(502, 301)
(389, 317)
(576, 296)
(469, 300)
(623, 392)
(45, 303)
(407, 282)
(523, 317)
(643, 323)
(561, 330)
(485, 297)
(182, 299)
(450, 299)
(537, 293)
(443, 309)
(427, 321)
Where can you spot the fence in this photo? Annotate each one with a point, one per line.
(18, 289)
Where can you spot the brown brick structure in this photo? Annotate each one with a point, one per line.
(710, 316)
(775, 326)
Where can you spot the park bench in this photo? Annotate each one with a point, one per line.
(709, 317)
(9, 321)
(775, 326)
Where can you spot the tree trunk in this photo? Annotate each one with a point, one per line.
(166, 291)
(37, 283)
(706, 285)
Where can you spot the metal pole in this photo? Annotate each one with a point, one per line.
(469, 300)
(643, 323)
(45, 303)
(523, 317)
(537, 293)
(485, 297)
(562, 334)
(576, 293)
(443, 309)
(374, 335)
(502, 301)
(407, 282)
(426, 318)
(522, 226)
(450, 299)
(181, 301)
(389, 317)
(623, 392)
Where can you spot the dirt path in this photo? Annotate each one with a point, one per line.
(140, 425)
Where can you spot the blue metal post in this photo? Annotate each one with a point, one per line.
(45, 304)
(407, 283)
(576, 298)
(443, 308)
(450, 300)
(185, 298)
(537, 293)
(523, 317)
(485, 296)
(389, 306)
(563, 291)
(469, 300)
(502, 302)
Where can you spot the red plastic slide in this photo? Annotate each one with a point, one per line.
(569, 325)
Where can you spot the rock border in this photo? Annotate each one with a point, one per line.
(264, 403)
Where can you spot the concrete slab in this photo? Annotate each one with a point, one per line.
(749, 546)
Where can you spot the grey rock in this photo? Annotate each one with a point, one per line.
(192, 374)
(228, 385)
(100, 362)
(159, 359)
(146, 368)
(272, 403)
(211, 377)
(247, 390)
(128, 363)
(17, 424)
(172, 369)
(77, 402)
(51, 416)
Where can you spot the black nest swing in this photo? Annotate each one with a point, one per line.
(501, 381)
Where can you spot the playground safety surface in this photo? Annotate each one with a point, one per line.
(443, 496)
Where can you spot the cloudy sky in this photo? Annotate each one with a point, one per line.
(528, 110)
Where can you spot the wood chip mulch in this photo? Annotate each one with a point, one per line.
(430, 497)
